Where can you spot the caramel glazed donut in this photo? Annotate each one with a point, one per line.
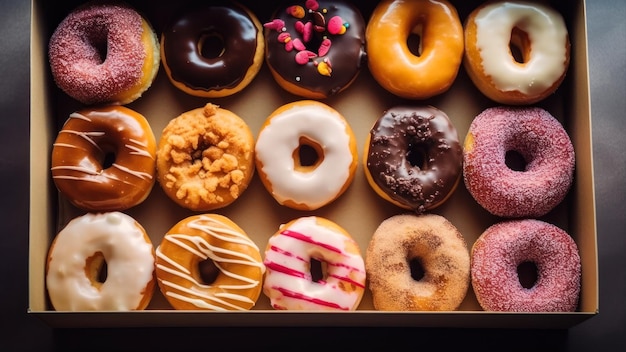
(208, 262)
(315, 49)
(78, 254)
(417, 263)
(213, 50)
(104, 159)
(413, 157)
(540, 35)
(104, 52)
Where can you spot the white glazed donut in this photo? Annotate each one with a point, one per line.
(78, 254)
(536, 30)
(292, 181)
(289, 280)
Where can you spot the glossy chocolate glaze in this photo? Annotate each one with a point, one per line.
(420, 182)
(346, 55)
(182, 47)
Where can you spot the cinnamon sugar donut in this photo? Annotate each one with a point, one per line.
(496, 258)
(205, 158)
(417, 263)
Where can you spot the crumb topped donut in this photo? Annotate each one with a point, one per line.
(78, 254)
(497, 275)
(213, 50)
(417, 263)
(536, 65)
(413, 157)
(518, 161)
(104, 52)
(208, 262)
(205, 158)
(315, 49)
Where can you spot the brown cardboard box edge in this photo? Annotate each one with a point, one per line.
(582, 226)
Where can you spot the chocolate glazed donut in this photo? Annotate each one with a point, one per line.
(213, 50)
(315, 49)
(413, 157)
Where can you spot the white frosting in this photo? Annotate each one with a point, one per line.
(129, 258)
(281, 137)
(288, 281)
(202, 295)
(547, 33)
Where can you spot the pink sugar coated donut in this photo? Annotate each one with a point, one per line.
(539, 139)
(75, 52)
(495, 257)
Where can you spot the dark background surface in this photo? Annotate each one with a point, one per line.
(604, 332)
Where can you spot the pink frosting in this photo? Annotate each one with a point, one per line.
(503, 246)
(545, 146)
(76, 49)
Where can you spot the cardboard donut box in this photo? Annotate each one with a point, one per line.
(359, 210)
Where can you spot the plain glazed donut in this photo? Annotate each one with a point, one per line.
(103, 159)
(213, 50)
(417, 263)
(413, 157)
(406, 71)
(315, 49)
(499, 134)
(104, 52)
(498, 253)
(207, 262)
(205, 158)
(289, 256)
(536, 30)
(77, 255)
(306, 154)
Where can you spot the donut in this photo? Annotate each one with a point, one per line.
(208, 262)
(103, 159)
(551, 259)
(414, 48)
(213, 50)
(306, 155)
(293, 281)
(517, 161)
(417, 263)
(315, 49)
(205, 158)
(104, 53)
(101, 261)
(413, 157)
(517, 52)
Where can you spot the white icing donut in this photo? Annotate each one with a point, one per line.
(311, 123)
(289, 282)
(76, 255)
(536, 29)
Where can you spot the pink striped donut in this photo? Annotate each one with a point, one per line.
(104, 53)
(496, 257)
(290, 279)
(532, 134)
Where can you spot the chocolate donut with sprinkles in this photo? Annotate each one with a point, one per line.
(315, 49)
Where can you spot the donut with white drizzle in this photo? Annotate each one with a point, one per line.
(290, 282)
(104, 159)
(208, 262)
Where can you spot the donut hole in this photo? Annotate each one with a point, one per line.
(519, 46)
(515, 161)
(318, 270)
(527, 274)
(211, 45)
(308, 154)
(417, 155)
(414, 40)
(417, 269)
(98, 43)
(208, 271)
(96, 269)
